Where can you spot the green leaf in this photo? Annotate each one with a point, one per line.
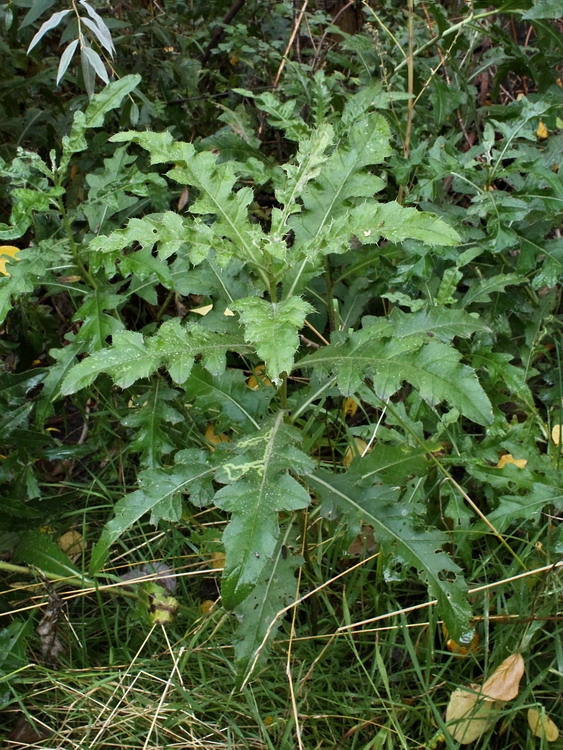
(146, 418)
(65, 360)
(443, 323)
(398, 528)
(397, 223)
(344, 176)
(392, 464)
(100, 104)
(132, 356)
(526, 506)
(26, 203)
(431, 367)
(39, 550)
(13, 419)
(30, 269)
(523, 492)
(259, 487)
(13, 652)
(49, 24)
(127, 360)
(38, 7)
(227, 398)
(480, 290)
(215, 182)
(445, 294)
(65, 60)
(499, 370)
(167, 229)
(160, 492)
(113, 188)
(274, 590)
(272, 327)
(544, 9)
(282, 115)
(97, 325)
(309, 160)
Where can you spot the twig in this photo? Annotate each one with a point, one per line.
(294, 31)
(220, 30)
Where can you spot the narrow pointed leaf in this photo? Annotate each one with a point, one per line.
(49, 24)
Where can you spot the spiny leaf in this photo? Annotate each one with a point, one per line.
(431, 367)
(132, 356)
(258, 487)
(160, 492)
(274, 590)
(344, 176)
(441, 322)
(167, 230)
(397, 526)
(228, 397)
(147, 418)
(272, 327)
(309, 161)
(481, 289)
(100, 104)
(33, 264)
(215, 183)
(38, 549)
(97, 325)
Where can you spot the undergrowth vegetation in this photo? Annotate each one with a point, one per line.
(281, 454)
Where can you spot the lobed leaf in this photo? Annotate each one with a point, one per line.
(132, 357)
(160, 492)
(432, 367)
(397, 526)
(272, 327)
(258, 487)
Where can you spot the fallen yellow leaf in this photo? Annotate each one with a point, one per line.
(211, 437)
(504, 682)
(7, 253)
(542, 131)
(351, 453)
(542, 726)
(508, 458)
(207, 606)
(349, 407)
(217, 561)
(202, 310)
(254, 381)
(72, 544)
(469, 714)
(556, 434)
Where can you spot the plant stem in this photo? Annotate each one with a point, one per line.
(282, 390)
(410, 80)
(73, 247)
(332, 324)
(164, 307)
(24, 570)
(410, 89)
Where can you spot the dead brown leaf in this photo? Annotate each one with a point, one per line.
(504, 683)
(542, 726)
(469, 714)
